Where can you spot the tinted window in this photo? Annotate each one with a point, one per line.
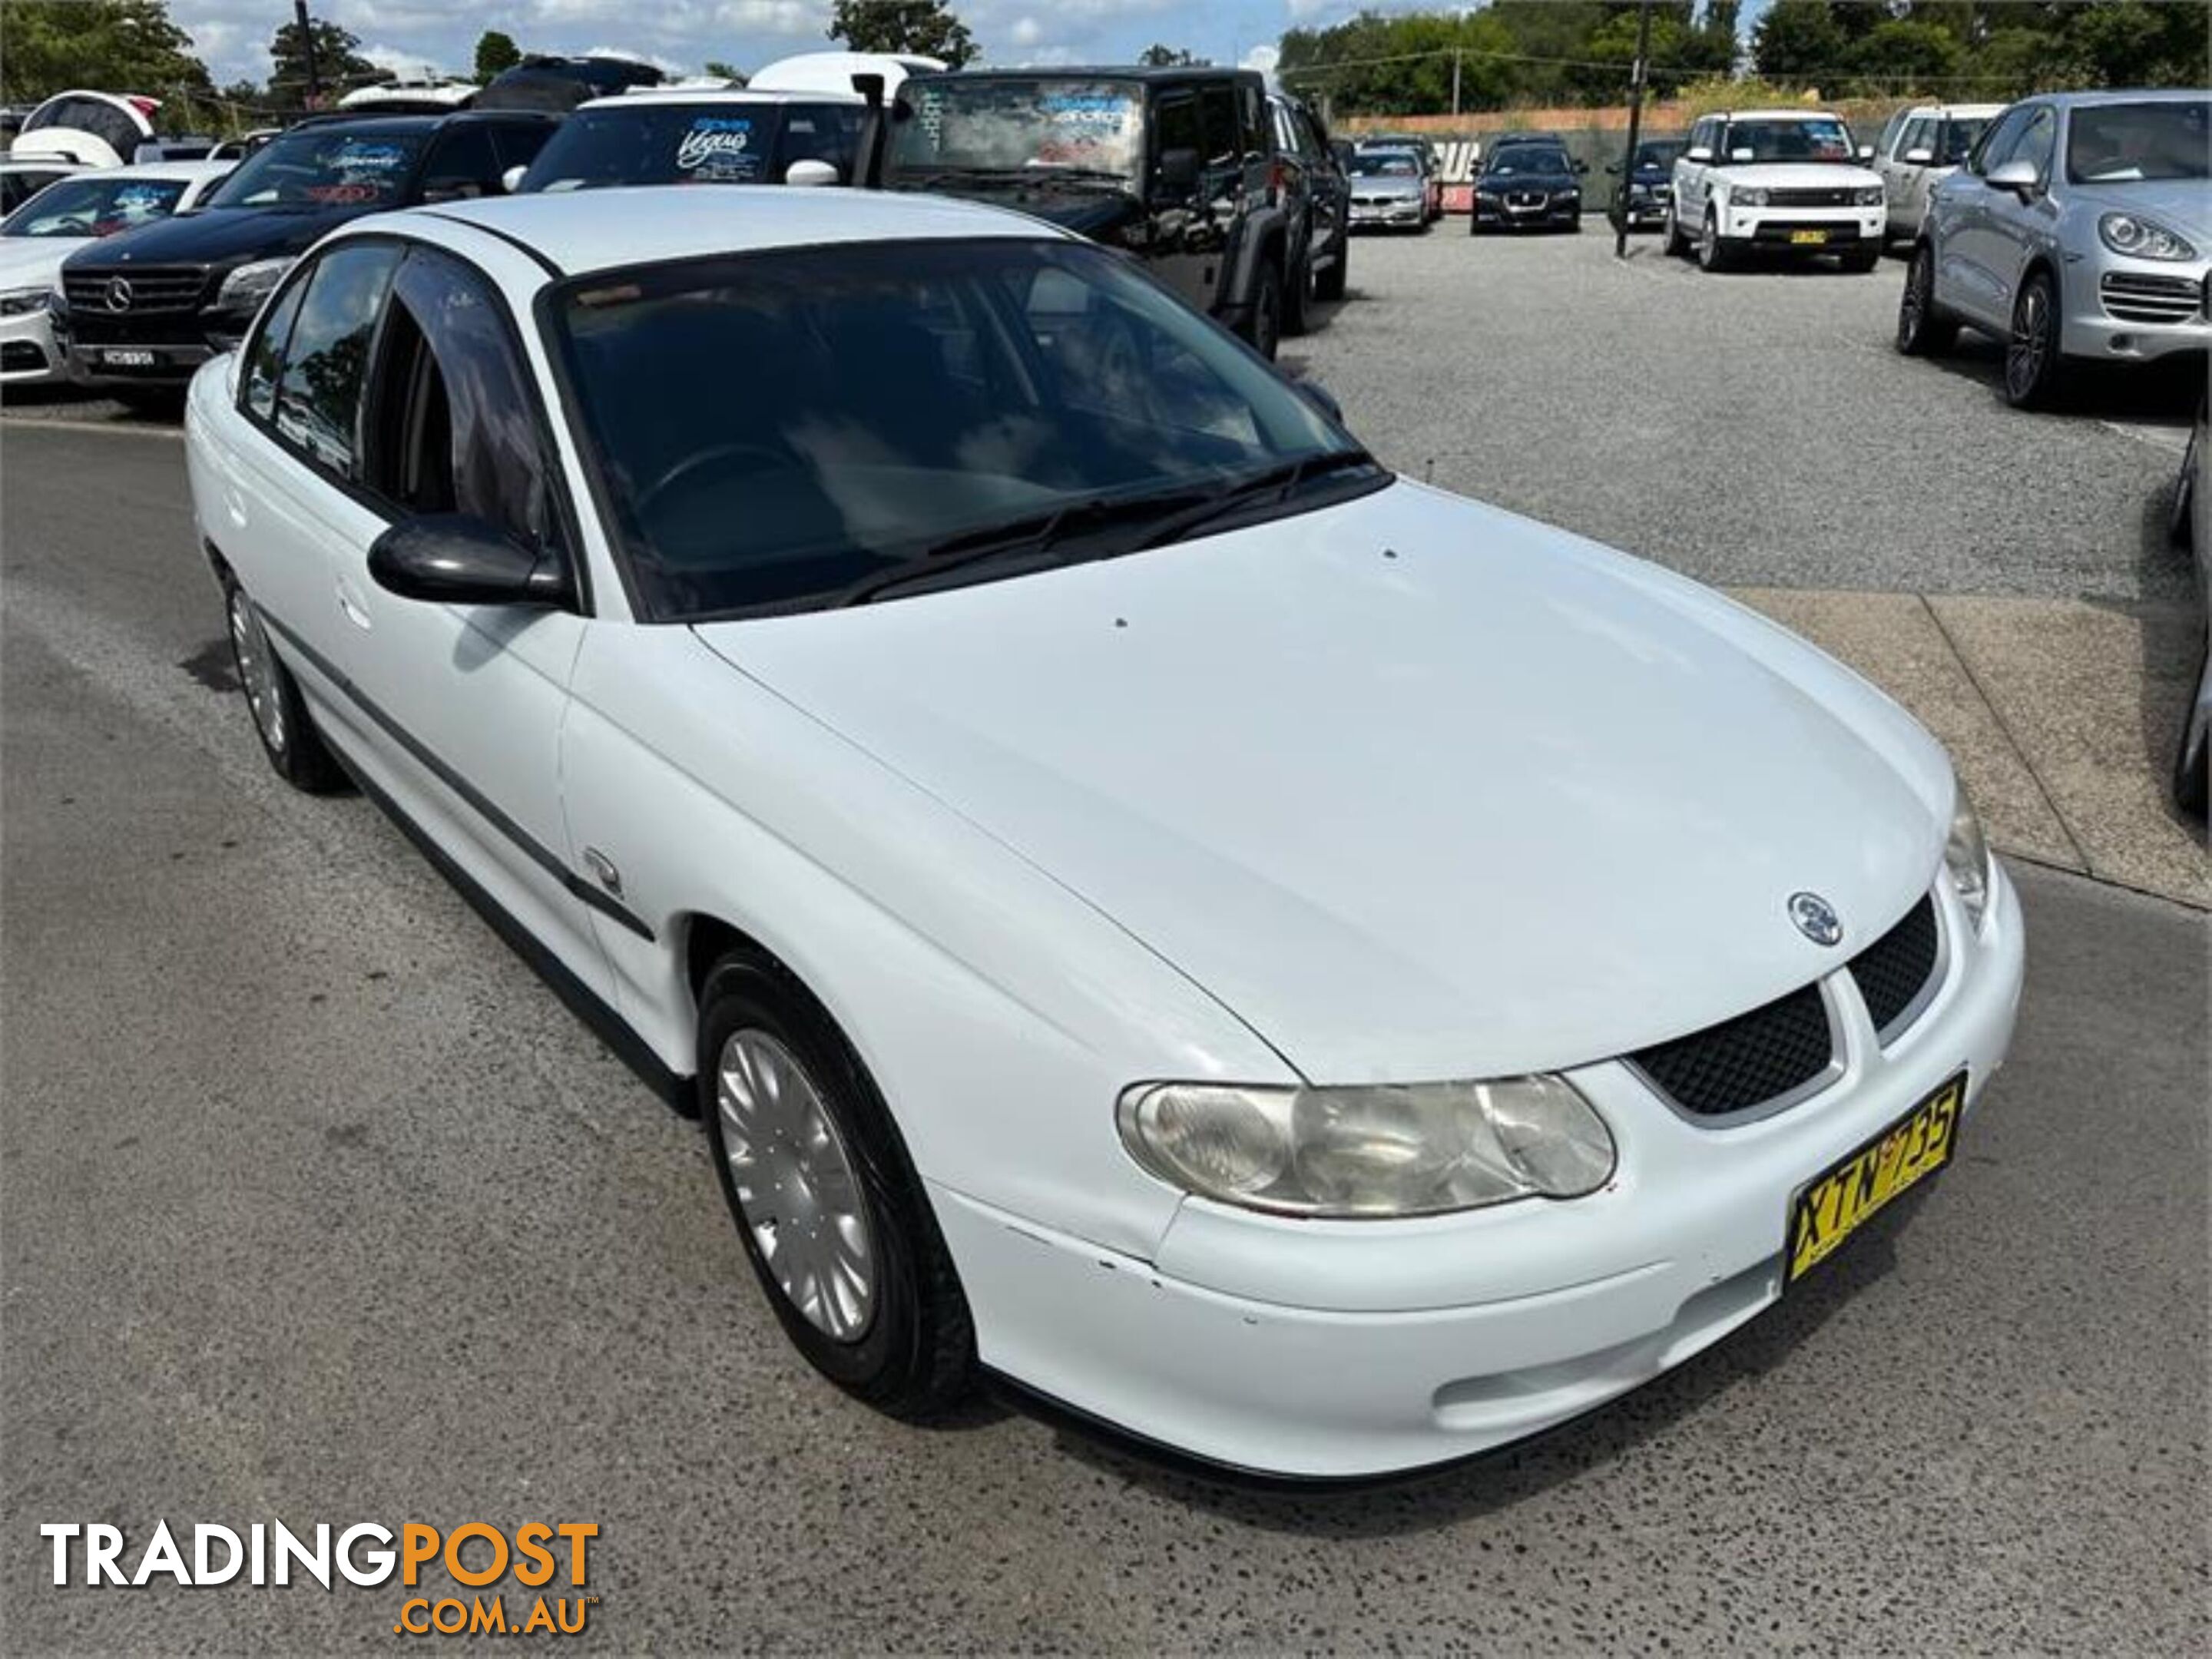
(324, 167)
(1958, 138)
(318, 392)
(773, 429)
(518, 142)
(723, 142)
(2039, 141)
(266, 354)
(103, 120)
(2121, 143)
(17, 188)
(462, 164)
(1997, 144)
(1807, 138)
(1175, 126)
(454, 426)
(1224, 142)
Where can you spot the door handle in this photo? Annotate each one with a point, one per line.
(233, 504)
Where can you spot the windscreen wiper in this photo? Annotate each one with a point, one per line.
(1031, 537)
(1277, 483)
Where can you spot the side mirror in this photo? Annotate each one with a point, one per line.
(2019, 177)
(1698, 152)
(1582, 166)
(1321, 398)
(452, 558)
(1866, 152)
(813, 172)
(1178, 170)
(1743, 153)
(1918, 158)
(1612, 168)
(511, 180)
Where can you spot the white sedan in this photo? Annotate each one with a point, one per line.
(1310, 970)
(64, 216)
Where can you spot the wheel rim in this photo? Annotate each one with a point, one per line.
(2024, 356)
(795, 1185)
(257, 669)
(1913, 306)
(1709, 243)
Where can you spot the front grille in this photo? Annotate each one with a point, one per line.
(17, 355)
(153, 289)
(2140, 297)
(1526, 199)
(1750, 1061)
(1822, 196)
(1894, 971)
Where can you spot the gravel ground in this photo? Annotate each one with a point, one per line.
(319, 1206)
(1755, 428)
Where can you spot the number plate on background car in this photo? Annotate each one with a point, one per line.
(1808, 238)
(1838, 1202)
(128, 359)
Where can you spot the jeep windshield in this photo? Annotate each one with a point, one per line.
(1003, 124)
(1791, 138)
(722, 142)
(941, 413)
(2131, 143)
(325, 169)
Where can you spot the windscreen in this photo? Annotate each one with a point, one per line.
(94, 206)
(324, 167)
(997, 123)
(724, 143)
(2125, 144)
(774, 428)
(1534, 159)
(1383, 164)
(1788, 138)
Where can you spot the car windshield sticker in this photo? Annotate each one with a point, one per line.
(719, 147)
(1093, 128)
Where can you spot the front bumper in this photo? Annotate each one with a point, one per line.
(1792, 229)
(1324, 1350)
(134, 363)
(2123, 310)
(27, 353)
(1396, 212)
(1505, 212)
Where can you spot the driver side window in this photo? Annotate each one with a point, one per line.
(2039, 141)
(1997, 143)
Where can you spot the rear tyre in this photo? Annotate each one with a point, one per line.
(1264, 329)
(2031, 371)
(827, 1205)
(288, 736)
(1922, 329)
(1673, 243)
(1329, 285)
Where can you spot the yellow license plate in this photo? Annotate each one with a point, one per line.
(1837, 1203)
(1808, 238)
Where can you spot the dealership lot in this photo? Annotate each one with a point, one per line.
(321, 1207)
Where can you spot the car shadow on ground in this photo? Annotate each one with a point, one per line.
(2163, 394)
(1498, 1480)
(2174, 644)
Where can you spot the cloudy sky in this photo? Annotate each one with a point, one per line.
(233, 35)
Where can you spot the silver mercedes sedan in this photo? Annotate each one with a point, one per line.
(2079, 228)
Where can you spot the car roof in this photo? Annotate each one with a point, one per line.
(396, 126)
(2123, 95)
(1945, 111)
(637, 97)
(1505, 138)
(1778, 115)
(578, 232)
(186, 171)
(36, 163)
(1096, 72)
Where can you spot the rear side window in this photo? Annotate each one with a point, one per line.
(453, 427)
(319, 389)
(1175, 126)
(264, 359)
(1223, 139)
(518, 142)
(462, 166)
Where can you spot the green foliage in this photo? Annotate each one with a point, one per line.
(48, 46)
(1157, 56)
(339, 67)
(722, 71)
(1966, 50)
(495, 52)
(927, 26)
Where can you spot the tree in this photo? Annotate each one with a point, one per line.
(924, 27)
(1157, 56)
(495, 52)
(722, 71)
(1797, 42)
(118, 45)
(338, 66)
(1903, 56)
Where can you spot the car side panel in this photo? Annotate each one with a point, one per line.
(1001, 1015)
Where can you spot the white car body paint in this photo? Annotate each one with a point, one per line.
(1402, 788)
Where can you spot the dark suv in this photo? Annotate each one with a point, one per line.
(146, 308)
(1174, 166)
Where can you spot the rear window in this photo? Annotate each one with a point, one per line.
(723, 144)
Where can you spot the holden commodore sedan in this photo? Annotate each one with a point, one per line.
(1310, 970)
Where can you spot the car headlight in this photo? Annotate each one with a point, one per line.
(1750, 196)
(57, 299)
(22, 301)
(1368, 1151)
(245, 289)
(1868, 195)
(2141, 239)
(1966, 856)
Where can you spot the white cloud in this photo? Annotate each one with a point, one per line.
(1264, 59)
(1026, 32)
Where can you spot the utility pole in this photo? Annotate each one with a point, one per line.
(307, 45)
(1455, 79)
(1636, 79)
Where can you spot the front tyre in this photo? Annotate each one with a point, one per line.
(1714, 253)
(827, 1207)
(1673, 243)
(2031, 371)
(1922, 329)
(1295, 292)
(1265, 329)
(289, 737)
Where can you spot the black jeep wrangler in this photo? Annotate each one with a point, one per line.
(1174, 166)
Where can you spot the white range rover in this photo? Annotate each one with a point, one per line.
(1779, 181)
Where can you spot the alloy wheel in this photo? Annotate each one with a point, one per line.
(2028, 352)
(256, 671)
(796, 1186)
